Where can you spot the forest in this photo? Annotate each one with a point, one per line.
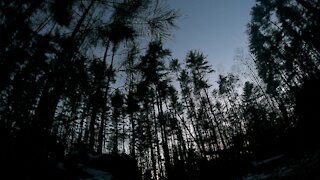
(89, 85)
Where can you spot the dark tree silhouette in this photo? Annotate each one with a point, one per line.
(89, 86)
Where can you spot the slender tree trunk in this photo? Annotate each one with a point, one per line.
(191, 110)
(46, 109)
(93, 117)
(80, 135)
(163, 135)
(181, 142)
(101, 132)
(153, 160)
(104, 96)
(159, 158)
(133, 136)
(215, 120)
(54, 88)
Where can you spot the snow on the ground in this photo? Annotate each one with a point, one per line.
(95, 174)
(87, 173)
(276, 173)
(305, 167)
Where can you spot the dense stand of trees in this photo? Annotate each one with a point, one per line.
(284, 40)
(82, 77)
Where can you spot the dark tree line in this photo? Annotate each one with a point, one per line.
(284, 40)
(93, 77)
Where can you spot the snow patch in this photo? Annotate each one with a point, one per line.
(96, 174)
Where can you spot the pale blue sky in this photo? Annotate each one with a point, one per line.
(215, 27)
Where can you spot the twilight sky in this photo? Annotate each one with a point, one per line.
(214, 27)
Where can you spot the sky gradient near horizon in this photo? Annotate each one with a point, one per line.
(215, 27)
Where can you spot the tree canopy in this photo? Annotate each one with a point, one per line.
(91, 82)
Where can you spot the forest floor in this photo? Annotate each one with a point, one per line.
(283, 167)
(306, 166)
